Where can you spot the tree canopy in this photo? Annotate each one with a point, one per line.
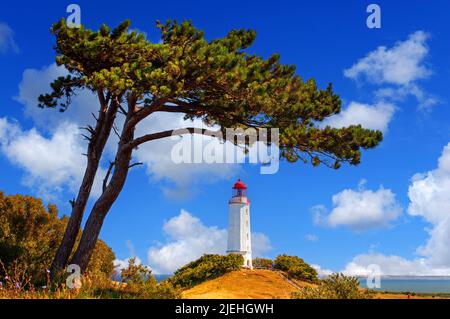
(214, 80)
(30, 234)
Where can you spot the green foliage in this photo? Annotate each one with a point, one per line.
(262, 263)
(205, 268)
(336, 286)
(30, 234)
(136, 273)
(212, 80)
(295, 268)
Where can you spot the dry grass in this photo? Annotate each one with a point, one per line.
(244, 284)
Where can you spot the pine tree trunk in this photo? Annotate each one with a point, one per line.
(99, 137)
(74, 224)
(102, 206)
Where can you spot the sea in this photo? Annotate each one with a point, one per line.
(422, 284)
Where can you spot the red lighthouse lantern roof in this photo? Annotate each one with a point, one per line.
(239, 185)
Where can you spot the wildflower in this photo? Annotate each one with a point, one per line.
(17, 285)
(44, 287)
(48, 271)
(6, 277)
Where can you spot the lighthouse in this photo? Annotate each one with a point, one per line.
(239, 234)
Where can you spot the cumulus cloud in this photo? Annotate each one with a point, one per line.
(360, 209)
(189, 238)
(429, 199)
(375, 117)
(7, 42)
(397, 70)
(392, 265)
(52, 163)
(400, 94)
(37, 81)
(400, 65)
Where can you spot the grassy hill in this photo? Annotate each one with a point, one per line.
(264, 284)
(245, 284)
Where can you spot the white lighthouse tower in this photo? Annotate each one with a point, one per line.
(239, 234)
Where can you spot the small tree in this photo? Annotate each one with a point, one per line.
(137, 273)
(212, 80)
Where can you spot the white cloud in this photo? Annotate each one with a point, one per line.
(157, 155)
(52, 163)
(359, 209)
(400, 65)
(322, 272)
(189, 239)
(392, 265)
(426, 100)
(375, 117)
(429, 198)
(7, 42)
(36, 82)
(397, 70)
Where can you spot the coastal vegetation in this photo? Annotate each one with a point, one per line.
(295, 268)
(205, 268)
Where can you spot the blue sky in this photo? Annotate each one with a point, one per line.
(394, 78)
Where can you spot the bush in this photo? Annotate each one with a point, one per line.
(295, 268)
(205, 268)
(264, 263)
(336, 286)
(30, 234)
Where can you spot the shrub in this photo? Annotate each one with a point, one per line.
(205, 268)
(264, 263)
(336, 286)
(295, 268)
(30, 234)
